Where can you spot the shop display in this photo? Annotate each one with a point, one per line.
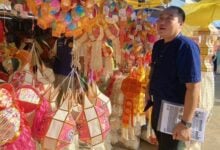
(108, 41)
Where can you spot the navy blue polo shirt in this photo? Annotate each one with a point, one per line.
(63, 59)
(174, 64)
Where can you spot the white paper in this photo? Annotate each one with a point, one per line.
(171, 114)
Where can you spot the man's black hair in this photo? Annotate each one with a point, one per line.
(179, 10)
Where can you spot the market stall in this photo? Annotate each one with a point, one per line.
(80, 67)
(104, 48)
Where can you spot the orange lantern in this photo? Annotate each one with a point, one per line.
(59, 29)
(45, 21)
(66, 5)
(75, 33)
(32, 6)
(23, 56)
(131, 88)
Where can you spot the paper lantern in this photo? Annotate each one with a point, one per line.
(24, 56)
(38, 2)
(45, 21)
(99, 99)
(6, 95)
(32, 6)
(66, 5)
(54, 7)
(73, 33)
(92, 124)
(5, 98)
(62, 129)
(20, 78)
(44, 9)
(80, 11)
(10, 124)
(28, 98)
(58, 29)
(42, 23)
(87, 23)
(68, 18)
(41, 120)
(9, 115)
(131, 88)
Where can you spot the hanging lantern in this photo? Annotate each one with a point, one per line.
(80, 11)
(66, 5)
(6, 96)
(44, 22)
(9, 115)
(55, 6)
(28, 98)
(58, 29)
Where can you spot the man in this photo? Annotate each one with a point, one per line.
(175, 76)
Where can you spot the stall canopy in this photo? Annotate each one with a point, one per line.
(202, 13)
(178, 3)
(142, 4)
(217, 24)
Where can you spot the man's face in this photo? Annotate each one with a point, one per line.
(169, 23)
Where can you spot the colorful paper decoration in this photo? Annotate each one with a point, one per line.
(9, 125)
(98, 98)
(93, 125)
(9, 115)
(54, 7)
(41, 121)
(20, 78)
(80, 11)
(62, 129)
(58, 29)
(45, 21)
(75, 33)
(32, 5)
(24, 56)
(6, 97)
(66, 5)
(28, 98)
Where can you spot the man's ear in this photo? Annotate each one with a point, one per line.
(181, 23)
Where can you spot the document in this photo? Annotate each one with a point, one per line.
(171, 114)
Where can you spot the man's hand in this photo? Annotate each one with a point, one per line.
(181, 132)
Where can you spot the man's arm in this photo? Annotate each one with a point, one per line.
(191, 100)
(181, 132)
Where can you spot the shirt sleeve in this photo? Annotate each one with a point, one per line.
(188, 63)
